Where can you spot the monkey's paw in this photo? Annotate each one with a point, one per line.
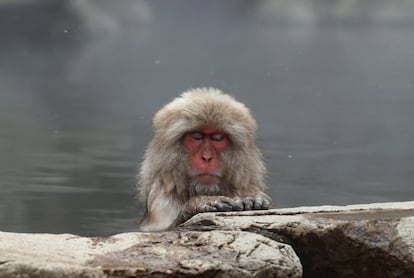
(256, 203)
(223, 203)
(201, 204)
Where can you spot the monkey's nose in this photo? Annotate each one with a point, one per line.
(206, 155)
(206, 158)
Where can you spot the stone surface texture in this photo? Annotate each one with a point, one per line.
(375, 240)
(169, 254)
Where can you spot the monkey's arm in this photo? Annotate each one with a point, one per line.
(220, 203)
(161, 212)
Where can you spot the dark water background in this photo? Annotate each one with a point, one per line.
(331, 84)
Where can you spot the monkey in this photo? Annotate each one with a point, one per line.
(203, 157)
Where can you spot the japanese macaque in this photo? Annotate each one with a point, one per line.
(202, 158)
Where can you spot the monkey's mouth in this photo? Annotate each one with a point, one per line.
(207, 178)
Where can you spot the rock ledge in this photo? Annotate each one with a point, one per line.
(374, 240)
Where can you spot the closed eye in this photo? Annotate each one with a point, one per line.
(197, 136)
(217, 136)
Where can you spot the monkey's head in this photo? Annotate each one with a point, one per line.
(203, 144)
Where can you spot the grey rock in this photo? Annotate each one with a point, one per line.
(375, 240)
(169, 254)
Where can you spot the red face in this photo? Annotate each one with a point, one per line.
(204, 147)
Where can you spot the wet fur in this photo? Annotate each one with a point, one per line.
(164, 181)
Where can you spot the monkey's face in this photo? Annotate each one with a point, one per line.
(204, 148)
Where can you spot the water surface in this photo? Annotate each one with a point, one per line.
(330, 83)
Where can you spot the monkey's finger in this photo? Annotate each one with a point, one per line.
(221, 206)
(258, 203)
(248, 204)
(237, 204)
(266, 204)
